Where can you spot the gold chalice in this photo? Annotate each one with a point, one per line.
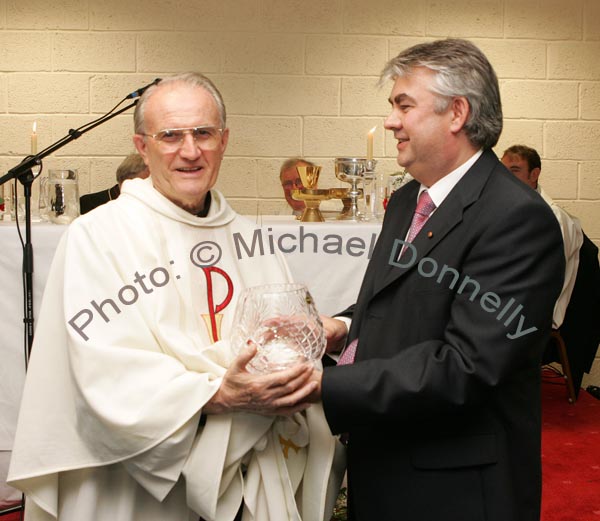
(310, 194)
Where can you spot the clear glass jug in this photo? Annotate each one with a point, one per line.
(59, 196)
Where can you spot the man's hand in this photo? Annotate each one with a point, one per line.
(279, 393)
(315, 396)
(335, 333)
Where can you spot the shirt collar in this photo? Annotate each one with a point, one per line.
(439, 190)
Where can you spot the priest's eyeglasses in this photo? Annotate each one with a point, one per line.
(171, 139)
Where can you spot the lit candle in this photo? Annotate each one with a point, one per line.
(370, 143)
(34, 139)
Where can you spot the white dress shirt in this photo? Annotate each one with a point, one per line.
(572, 241)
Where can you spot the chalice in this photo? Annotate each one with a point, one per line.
(351, 170)
(310, 194)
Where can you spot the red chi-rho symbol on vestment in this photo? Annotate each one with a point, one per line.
(213, 318)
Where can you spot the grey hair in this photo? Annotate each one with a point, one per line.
(461, 69)
(194, 79)
(132, 166)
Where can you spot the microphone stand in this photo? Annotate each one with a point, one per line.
(24, 174)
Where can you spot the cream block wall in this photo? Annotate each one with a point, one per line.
(299, 77)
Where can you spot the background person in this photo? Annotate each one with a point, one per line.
(525, 164)
(290, 180)
(438, 388)
(147, 412)
(578, 305)
(132, 166)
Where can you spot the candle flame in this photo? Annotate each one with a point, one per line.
(34, 126)
(373, 130)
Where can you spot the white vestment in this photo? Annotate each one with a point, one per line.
(131, 342)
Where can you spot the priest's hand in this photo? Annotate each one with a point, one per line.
(335, 333)
(279, 393)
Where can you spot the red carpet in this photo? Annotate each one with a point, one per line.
(11, 517)
(570, 455)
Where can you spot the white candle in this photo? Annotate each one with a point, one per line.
(370, 143)
(34, 139)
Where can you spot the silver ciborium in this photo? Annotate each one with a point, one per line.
(281, 319)
(353, 170)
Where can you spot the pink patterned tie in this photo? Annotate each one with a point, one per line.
(422, 212)
(347, 358)
(349, 353)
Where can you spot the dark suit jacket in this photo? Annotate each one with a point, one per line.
(90, 201)
(442, 406)
(580, 328)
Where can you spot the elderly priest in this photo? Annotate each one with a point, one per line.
(135, 406)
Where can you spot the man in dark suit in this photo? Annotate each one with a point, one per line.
(131, 167)
(439, 398)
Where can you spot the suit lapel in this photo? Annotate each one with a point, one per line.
(395, 227)
(450, 213)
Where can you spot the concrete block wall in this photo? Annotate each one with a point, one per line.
(299, 77)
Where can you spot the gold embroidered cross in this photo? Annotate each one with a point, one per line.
(286, 444)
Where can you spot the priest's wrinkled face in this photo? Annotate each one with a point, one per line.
(182, 143)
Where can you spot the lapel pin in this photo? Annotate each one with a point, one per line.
(430, 234)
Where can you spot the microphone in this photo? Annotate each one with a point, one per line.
(140, 91)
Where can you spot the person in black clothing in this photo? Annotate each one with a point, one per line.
(132, 166)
